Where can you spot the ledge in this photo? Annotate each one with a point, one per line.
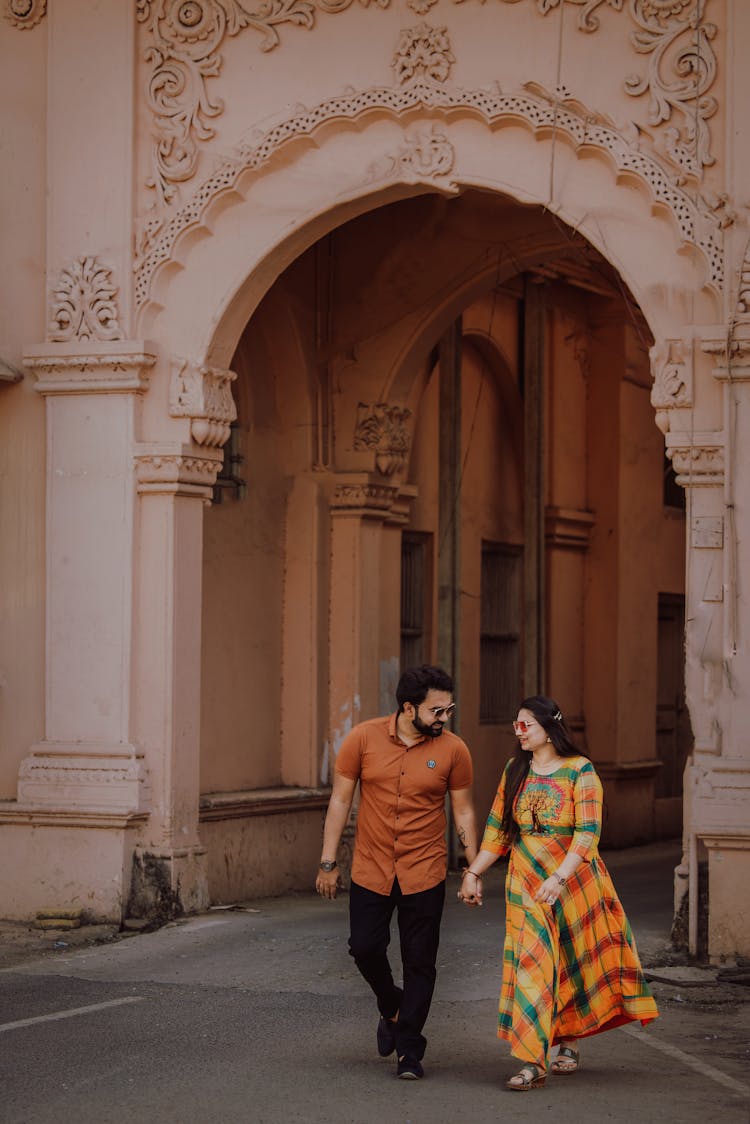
(25, 815)
(252, 802)
(627, 770)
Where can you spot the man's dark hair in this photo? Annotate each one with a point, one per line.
(415, 682)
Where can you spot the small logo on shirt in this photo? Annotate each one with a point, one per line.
(431, 764)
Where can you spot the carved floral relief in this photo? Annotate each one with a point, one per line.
(383, 429)
(84, 303)
(24, 13)
(423, 52)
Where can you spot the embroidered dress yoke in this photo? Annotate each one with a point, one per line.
(570, 969)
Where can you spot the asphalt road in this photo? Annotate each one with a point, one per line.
(258, 1015)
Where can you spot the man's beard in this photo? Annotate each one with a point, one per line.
(421, 727)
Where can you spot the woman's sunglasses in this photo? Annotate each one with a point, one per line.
(522, 727)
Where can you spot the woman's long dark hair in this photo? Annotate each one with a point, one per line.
(550, 718)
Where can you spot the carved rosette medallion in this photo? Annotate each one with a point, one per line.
(203, 394)
(423, 52)
(24, 13)
(83, 304)
(383, 430)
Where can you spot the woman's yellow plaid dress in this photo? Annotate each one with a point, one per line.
(570, 969)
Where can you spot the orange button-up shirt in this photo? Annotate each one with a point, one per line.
(401, 821)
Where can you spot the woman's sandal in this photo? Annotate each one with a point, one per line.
(560, 1065)
(531, 1077)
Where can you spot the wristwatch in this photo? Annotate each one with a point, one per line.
(328, 865)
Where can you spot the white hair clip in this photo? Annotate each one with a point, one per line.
(557, 716)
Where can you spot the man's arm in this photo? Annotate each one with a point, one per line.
(339, 806)
(462, 810)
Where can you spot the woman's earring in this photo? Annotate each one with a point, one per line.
(548, 739)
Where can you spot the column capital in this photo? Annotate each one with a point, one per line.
(697, 458)
(732, 353)
(363, 494)
(100, 367)
(178, 470)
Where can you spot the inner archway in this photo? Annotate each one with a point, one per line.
(562, 548)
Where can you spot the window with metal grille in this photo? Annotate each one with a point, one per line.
(500, 633)
(416, 569)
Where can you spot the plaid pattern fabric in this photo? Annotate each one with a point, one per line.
(572, 969)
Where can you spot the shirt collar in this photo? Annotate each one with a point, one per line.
(393, 731)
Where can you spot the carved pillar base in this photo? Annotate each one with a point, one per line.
(67, 777)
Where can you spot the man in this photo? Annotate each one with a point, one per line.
(405, 764)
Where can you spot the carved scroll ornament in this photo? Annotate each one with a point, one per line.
(84, 303)
(203, 394)
(185, 37)
(24, 13)
(423, 52)
(680, 72)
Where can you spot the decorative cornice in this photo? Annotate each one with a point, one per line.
(24, 13)
(541, 112)
(383, 430)
(109, 368)
(184, 39)
(203, 394)
(83, 303)
(177, 470)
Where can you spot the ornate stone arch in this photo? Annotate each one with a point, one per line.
(371, 147)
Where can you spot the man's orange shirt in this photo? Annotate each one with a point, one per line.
(401, 821)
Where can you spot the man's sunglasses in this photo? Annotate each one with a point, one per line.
(439, 711)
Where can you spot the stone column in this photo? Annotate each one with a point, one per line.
(87, 772)
(174, 481)
(717, 790)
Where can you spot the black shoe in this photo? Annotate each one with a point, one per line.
(386, 1037)
(409, 1068)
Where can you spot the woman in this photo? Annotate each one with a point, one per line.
(570, 966)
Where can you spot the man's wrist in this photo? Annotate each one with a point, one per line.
(328, 865)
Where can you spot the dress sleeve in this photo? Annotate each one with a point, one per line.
(494, 837)
(588, 811)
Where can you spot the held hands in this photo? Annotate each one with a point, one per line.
(549, 891)
(470, 892)
(327, 883)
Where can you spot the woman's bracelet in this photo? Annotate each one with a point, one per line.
(473, 872)
(559, 878)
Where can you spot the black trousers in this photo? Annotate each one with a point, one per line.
(419, 917)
